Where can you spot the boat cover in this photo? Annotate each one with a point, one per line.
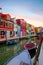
(22, 59)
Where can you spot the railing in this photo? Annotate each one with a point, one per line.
(36, 59)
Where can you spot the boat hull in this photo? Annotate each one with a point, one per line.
(31, 49)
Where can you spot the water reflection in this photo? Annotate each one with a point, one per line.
(4, 48)
(7, 52)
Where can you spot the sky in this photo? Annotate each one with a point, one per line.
(30, 10)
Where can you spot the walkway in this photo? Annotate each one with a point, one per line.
(41, 56)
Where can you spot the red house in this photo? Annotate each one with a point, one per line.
(22, 24)
(6, 27)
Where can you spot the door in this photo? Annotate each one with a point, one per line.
(7, 35)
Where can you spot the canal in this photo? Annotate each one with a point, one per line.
(9, 51)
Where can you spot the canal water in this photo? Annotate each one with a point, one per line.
(8, 51)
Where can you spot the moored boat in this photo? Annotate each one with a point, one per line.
(31, 49)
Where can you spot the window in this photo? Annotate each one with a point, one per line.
(29, 30)
(32, 32)
(1, 23)
(9, 25)
(2, 32)
(6, 24)
(16, 32)
(10, 32)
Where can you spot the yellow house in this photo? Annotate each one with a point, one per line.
(27, 26)
(39, 28)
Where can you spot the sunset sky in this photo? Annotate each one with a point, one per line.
(30, 10)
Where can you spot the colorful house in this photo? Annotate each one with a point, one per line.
(6, 27)
(22, 25)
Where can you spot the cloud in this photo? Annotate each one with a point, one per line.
(31, 20)
(38, 11)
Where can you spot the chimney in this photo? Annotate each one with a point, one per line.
(0, 10)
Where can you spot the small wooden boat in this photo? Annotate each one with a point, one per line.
(31, 49)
